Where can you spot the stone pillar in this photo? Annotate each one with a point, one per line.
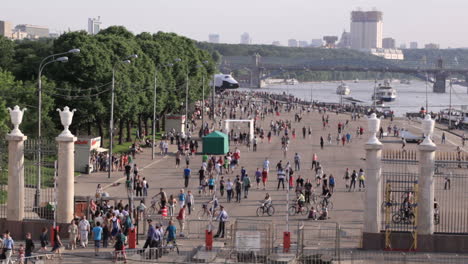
(65, 179)
(372, 214)
(426, 189)
(15, 205)
(373, 194)
(426, 179)
(66, 169)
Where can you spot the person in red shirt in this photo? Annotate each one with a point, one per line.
(264, 177)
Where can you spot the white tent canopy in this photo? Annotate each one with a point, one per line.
(251, 121)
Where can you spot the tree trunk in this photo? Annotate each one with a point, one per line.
(129, 131)
(140, 128)
(101, 131)
(121, 130)
(145, 122)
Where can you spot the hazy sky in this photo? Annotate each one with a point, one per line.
(440, 21)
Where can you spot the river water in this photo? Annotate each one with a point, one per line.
(410, 97)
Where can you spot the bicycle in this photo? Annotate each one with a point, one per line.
(153, 210)
(403, 217)
(295, 209)
(166, 248)
(265, 209)
(205, 213)
(326, 203)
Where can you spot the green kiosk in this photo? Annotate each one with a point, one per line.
(215, 143)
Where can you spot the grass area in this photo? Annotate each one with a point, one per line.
(125, 146)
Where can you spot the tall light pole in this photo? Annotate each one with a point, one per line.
(186, 124)
(46, 61)
(154, 106)
(111, 125)
(203, 96)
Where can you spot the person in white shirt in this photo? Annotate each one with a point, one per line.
(84, 228)
(229, 186)
(266, 165)
(222, 218)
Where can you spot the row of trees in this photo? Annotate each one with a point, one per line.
(84, 82)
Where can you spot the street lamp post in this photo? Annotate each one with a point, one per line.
(203, 97)
(46, 61)
(111, 125)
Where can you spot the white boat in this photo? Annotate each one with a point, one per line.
(385, 93)
(343, 89)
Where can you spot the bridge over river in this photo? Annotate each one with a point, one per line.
(262, 68)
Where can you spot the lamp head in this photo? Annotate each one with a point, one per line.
(177, 60)
(74, 51)
(62, 59)
(126, 61)
(170, 64)
(133, 56)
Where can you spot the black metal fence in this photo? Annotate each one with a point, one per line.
(3, 178)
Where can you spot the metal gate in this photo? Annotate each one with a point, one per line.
(39, 179)
(451, 198)
(3, 177)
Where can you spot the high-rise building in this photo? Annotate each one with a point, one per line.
(32, 31)
(292, 43)
(366, 30)
(413, 45)
(276, 43)
(388, 43)
(345, 40)
(94, 25)
(213, 38)
(5, 29)
(303, 44)
(316, 43)
(245, 39)
(432, 46)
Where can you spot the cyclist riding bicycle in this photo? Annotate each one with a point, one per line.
(267, 200)
(326, 194)
(300, 200)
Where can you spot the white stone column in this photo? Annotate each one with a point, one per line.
(426, 189)
(65, 179)
(15, 204)
(373, 194)
(425, 194)
(66, 169)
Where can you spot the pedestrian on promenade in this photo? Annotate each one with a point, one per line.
(119, 246)
(266, 165)
(297, 162)
(255, 141)
(182, 198)
(222, 218)
(314, 160)
(187, 174)
(281, 177)
(171, 203)
(105, 234)
(229, 187)
(29, 246)
(361, 178)
(258, 177)
(57, 243)
(264, 178)
(97, 235)
(304, 132)
(190, 201)
(308, 190)
(177, 158)
(346, 178)
(246, 184)
(331, 183)
(238, 188)
(443, 138)
(44, 239)
(72, 234)
(8, 247)
(321, 142)
(353, 181)
(211, 184)
(222, 186)
(84, 229)
(151, 237)
(181, 219)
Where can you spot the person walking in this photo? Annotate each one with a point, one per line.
(8, 247)
(443, 138)
(57, 243)
(321, 142)
(238, 188)
(281, 177)
(258, 177)
(190, 202)
(229, 187)
(182, 197)
(264, 178)
(84, 228)
(181, 219)
(346, 178)
(297, 162)
(314, 161)
(353, 181)
(72, 234)
(246, 183)
(97, 235)
(331, 183)
(222, 218)
(44, 239)
(361, 178)
(151, 237)
(187, 174)
(29, 247)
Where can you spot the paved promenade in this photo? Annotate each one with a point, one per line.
(348, 206)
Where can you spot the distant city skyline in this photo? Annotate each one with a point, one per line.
(420, 21)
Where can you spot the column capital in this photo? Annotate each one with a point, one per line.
(15, 137)
(373, 146)
(66, 139)
(427, 147)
